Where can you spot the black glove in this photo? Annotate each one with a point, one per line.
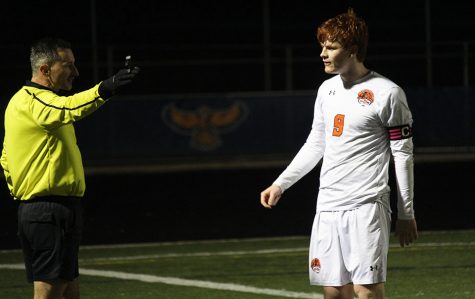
(109, 86)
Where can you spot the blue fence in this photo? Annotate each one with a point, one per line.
(132, 129)
(145, 128)
(224, 203)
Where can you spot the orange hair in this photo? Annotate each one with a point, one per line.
(347, 29)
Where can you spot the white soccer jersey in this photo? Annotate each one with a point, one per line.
(355, 128)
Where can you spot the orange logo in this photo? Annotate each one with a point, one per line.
(315, 265)
(205, 124)
(365, 97)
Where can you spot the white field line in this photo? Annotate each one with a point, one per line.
(436, 244)
(227, 241)
(200, 284)
(263, 251)
(198, 254)
(187, 282)
(210, 284)
(178, 243)
(12, 266)
(195, 242)
(249, 252)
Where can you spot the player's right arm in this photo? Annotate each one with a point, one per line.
(305, 160)
(309, 154)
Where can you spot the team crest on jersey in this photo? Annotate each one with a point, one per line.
(365, 97)
(315, 265)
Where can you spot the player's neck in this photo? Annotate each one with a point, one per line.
(354, 73)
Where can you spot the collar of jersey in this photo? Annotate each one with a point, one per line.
(36, 85)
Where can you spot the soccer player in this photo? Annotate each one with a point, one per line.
(43, 167)
(360, 118)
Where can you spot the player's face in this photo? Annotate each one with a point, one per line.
(336, 59)
(63, 71)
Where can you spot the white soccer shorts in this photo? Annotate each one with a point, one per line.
(350, 246)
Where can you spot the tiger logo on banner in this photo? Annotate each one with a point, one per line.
(205, 124)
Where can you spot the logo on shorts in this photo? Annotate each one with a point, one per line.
(365, 97)
(315, 265)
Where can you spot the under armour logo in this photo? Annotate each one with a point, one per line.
(332, 92)
(373, 268)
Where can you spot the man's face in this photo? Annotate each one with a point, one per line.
(335, 58)
(63, 71)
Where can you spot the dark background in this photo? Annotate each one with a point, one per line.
(204, 51)
(186, 46)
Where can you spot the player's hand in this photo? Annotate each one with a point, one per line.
(109, 86)
(270, 197)
(406, 230)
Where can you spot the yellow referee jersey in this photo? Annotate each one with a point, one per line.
(40, 156)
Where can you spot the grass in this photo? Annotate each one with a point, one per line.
(440, 265)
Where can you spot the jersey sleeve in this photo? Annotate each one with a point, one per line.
(51, 110)
(309, 154)
(404, 168)
(396, 115)
(397, 118)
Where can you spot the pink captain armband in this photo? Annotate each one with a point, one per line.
(400, 132)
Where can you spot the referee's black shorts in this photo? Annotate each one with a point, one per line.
(50, 229)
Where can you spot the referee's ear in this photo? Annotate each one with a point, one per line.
(44, 70)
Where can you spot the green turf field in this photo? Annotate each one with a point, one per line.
(439, 265)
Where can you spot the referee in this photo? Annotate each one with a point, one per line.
(43, 167)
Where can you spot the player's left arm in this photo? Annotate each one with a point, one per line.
(397, 117)
(406, 226)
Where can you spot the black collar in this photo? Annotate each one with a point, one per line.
(36, 85)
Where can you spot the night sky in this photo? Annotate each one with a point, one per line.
(161, 34)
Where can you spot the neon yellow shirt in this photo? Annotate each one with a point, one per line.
(40, 156)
